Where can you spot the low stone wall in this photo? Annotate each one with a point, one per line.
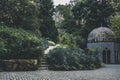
(19, 64)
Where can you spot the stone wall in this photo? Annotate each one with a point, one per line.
(102, 46)
(19, 64)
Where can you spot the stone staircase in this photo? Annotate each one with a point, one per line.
(43, 65)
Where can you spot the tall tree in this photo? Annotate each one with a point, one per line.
(68, 22)
(19, 13)
(68, 27)
(116, 5)
(115, 26)
(92, 13)
(47, 24)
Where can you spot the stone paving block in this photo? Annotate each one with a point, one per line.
(110, 72)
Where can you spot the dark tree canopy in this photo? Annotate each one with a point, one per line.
(47, 24)
(19, 13)
(77, 19)
(92, 14)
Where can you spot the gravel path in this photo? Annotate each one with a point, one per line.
(109, 72)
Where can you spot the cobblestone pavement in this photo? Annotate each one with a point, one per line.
(109, 72)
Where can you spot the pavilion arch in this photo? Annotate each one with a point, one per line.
(106, 55)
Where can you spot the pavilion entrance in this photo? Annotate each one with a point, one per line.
(106, 56)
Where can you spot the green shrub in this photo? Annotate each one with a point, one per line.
(0, 69)
(67, 39)
(18, 43)
(71, 40)
(72, 59)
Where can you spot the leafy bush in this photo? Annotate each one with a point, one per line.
(72, 59)
(71, 40)
(18, 43)
(0, 69)
(115, 26)
(67, 39)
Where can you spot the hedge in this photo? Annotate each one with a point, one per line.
(72, 59)
(18, 43)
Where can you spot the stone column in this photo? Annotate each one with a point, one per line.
(112, 53)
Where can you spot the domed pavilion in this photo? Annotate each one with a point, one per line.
(104, 39)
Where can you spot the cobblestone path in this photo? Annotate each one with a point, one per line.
(109, 72)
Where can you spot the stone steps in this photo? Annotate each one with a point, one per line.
(44, 65)
(43, 68)
(44, 62)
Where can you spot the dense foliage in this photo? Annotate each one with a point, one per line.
(28, 21)
(17, 43)
(73, 59)
(47, 24)
(91, 14)
(18, 13)
(115, 26)
(0, 69)
(69, 31)
(67, 39)
(32, 15)
(82, 17)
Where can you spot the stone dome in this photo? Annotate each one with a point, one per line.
(101, 34)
